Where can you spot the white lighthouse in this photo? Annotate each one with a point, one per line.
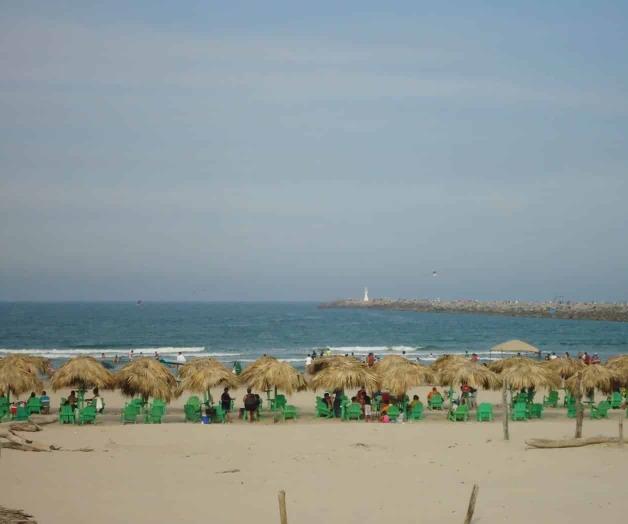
(366, 295)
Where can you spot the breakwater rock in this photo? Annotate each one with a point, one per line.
(615, 312)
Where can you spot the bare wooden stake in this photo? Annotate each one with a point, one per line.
(505, 418)
(283, 515)
(621, 428)
(471, 508)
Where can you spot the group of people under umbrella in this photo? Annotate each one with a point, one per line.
(146, 378)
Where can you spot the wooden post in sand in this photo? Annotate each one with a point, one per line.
(471, 507)
(579, 407)
(283, 515)
(505, 419)
(621, 428)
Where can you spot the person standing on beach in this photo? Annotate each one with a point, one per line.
(225, 402)
(250, 404)
(181, 358)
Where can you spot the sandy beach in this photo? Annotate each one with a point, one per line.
(332, 471)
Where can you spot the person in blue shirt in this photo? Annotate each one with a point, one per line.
(45, 402)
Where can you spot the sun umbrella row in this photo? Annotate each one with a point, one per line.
(147, 377)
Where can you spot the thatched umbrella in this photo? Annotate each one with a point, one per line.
(268, 372)
(527, 374)
(589, 377)
(519, 373)
(515, 346)
(444, 361)
(499, 365)
(82, 373)
(201, 374)
(565, 367)
(146, 377)
(347, 374)
(619, 366)
(17, 377)
(397, 374)
(36, 365)
(324, 362)
(470, 373)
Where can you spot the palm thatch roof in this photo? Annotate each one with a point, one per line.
(499, 365)
(321, 363)
(398, 376)
(527, 373)
(82, 372)
(268, 372)
(565, 367)
(344, 373)
(37, 365)
(201, 374)
(445, 361)
(17, 377)
(146, 377)
(594, 376)
(515, 346)
(619, 366)
(471, 373)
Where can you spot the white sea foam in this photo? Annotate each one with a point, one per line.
(109, 352)
(373, 349)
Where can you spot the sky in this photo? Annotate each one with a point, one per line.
(302, 151)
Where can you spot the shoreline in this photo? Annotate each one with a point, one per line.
(558, 310)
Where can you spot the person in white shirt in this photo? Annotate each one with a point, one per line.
(180, 358)
(308, 361)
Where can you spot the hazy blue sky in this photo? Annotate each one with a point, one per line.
(269, 150)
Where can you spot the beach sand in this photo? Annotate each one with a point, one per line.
(332, 471)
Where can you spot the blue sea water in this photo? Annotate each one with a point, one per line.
(244, 331)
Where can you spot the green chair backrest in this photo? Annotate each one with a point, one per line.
(393, 412)
(4, 402)
(417, 409)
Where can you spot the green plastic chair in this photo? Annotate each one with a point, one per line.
(155, 413)
(571, 410)
(33, 405)
(289, 411)
(416, 413)
(601, 410)
(520, 411)
(616, 400)
(536, 410)
(193, 411)
(87, 415)
(484, 413)
(21, 414)
(393, 413)
(322, 410)
(461, 414)
(436, 402)
(354, 411)
(278, 403)
(221, 415)
(129, 414)
(66, 414)
(138, 403)
(4, 407)
(551, 401)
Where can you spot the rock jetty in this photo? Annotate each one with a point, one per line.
(615, 312)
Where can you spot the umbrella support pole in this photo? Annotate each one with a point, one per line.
(505, 403)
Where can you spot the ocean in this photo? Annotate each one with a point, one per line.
(245, 331)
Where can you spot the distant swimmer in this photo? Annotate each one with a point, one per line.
(434, 273)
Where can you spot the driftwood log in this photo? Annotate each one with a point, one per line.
(15, 516)
(11, 440)
(569, 442)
